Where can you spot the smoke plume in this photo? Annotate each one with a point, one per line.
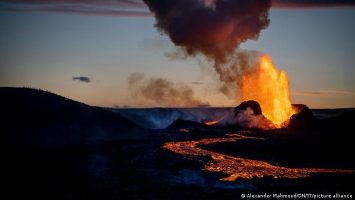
(215, 29)
(150, 92)
(230, 73)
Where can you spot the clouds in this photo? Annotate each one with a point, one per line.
(312, 3)
(322, 93)
(82, 79)
(137, 7)
(196, 83)
(85, 7)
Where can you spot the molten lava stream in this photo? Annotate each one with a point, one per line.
(267, 85)
(235, 167)
(211, 123)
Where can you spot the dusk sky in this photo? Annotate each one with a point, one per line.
(87, 54)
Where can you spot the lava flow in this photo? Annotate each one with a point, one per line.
(211, 123)
(268, 86)
(236, 167)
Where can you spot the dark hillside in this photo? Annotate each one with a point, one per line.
(40, 118)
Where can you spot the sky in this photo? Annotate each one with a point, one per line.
(88, 55)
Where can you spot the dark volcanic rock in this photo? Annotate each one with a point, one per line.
(340, 124)
(303, 119)
(255, 106)
(186, 124)
(40, 118)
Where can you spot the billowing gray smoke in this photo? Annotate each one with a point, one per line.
(215, 29)
(230, 73)
(149, 92)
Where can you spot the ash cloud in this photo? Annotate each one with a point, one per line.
(148, 92)
(230, 73)
(212, 28)
(84, 79)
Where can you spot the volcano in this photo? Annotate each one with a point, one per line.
(249, 115)
(72, 149)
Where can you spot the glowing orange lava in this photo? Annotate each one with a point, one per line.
(270, 87)
(211, 123)
(235, 167)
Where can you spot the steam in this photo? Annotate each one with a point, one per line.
(246, 119)
(148, 92)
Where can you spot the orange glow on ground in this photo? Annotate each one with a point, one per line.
(235, 167)
(211, 123)
(270, 87)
